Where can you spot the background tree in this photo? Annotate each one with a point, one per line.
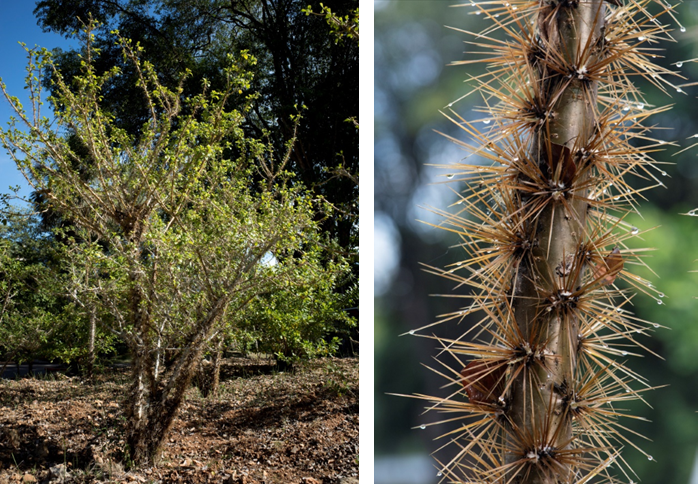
(302, 322)
(31, 312)
(39, 319)
(83, 284)
(183, 226)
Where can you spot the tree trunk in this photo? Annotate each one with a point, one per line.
(158, 357)
(209, 375)
(153, 403)
(540, 287)
(217, 358)
(91, 344)
(151, 414)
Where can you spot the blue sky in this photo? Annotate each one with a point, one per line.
(17, 23)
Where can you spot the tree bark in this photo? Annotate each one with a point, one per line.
(209, 375)
(91, 344)
(151, 417)
(558, 232)
(217, 358)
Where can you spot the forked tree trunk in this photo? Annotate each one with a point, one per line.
(153, 402)
(151, 413)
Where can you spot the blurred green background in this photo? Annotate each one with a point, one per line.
(412, 82)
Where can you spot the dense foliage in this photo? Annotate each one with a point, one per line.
(39, 318)
(307, 320)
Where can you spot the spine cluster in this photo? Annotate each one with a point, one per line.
(539, 379)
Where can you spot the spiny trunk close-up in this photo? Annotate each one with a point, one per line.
(536, 377)
(558, 233)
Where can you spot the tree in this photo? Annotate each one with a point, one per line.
(301, 62)
(184, 211)
(346, 27)
(37, 319)
(29, 309)
(83, 267)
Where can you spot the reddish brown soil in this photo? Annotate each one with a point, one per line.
(291, 427)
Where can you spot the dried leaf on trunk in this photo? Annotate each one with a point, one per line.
(483, 380)
(607, 270)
